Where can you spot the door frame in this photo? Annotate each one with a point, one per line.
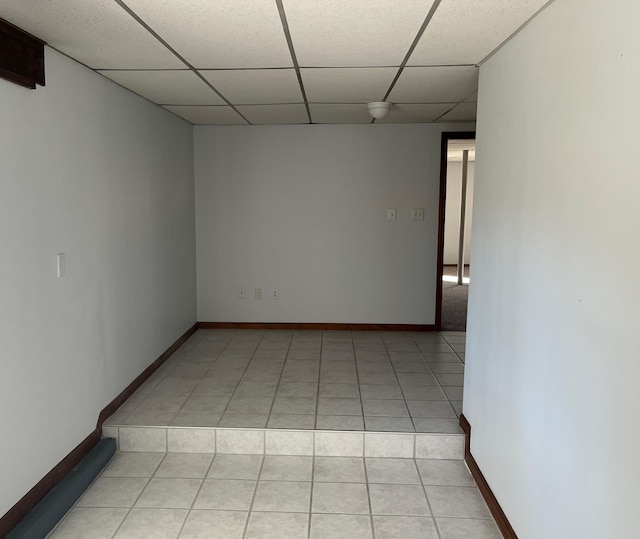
(446, 137)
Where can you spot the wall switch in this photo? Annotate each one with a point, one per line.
(258, 294)
(391, 214)
(417, 214)
(275, 294)
(61, 263)
(242, 293)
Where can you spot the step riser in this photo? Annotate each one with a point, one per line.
(283, 442)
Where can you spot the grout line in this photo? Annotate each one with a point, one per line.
(253, 498)
(294, 59)
(148, 28)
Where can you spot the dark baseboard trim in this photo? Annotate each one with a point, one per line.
(316, 326)
(497, 512)
(143, 377)
(11, 519)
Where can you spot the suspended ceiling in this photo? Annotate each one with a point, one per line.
(226, 62)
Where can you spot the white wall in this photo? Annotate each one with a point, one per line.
(91, 170)
(553, 361)
(452, 212)
(304, 209)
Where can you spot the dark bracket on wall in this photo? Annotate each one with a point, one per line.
(21, 56)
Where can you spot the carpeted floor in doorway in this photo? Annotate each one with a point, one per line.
(454, 301)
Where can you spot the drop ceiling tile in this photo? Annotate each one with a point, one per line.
(167, 87)
(275, 114)
(339, 33)
(415, 113)
(473, 98)
(99, 34)
(463, 112)
(256, 86)
(215, 115)
(434, 84)
(466, 31)
(339, 113)
(220, 33)
(347, 85)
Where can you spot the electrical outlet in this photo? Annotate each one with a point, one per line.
(417, 214)
(258, 294)
(242, 293)
(275, 294)
(391, 214)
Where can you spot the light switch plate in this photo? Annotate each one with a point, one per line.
(392, 214)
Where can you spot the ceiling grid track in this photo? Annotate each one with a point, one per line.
(135, 16)
(287, 34)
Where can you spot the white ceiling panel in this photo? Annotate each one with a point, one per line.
(219, 33)
(473, 98)
(466, 31)
(337, 113)
(167, 87)
(415, 113)
(256, 86)
(99, 34)
(347, 85)
(463, 112)
(216, 115)
(275, 114)
(434, 84)
(348, 33)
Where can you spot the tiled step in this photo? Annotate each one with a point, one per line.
(287, 442)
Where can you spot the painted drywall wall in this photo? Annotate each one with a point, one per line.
(90, 170)
(303, 209)
(552, 349)
(452, 212)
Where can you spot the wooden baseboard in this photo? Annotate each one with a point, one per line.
(142, 378)
(497, 512)
(300, 326)
(11, 519)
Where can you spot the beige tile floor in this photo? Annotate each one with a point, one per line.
(326, 380)
(170, 495)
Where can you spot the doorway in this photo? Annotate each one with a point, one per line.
(454, 230)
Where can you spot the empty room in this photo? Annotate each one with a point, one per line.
(229, 243)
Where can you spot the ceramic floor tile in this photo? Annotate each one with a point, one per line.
(291, 421)
(283, 496)
(247, 421)
(328, 406)
(277, 526)
(287, 468)
(448, 379)
(384, 408)
(257, 389)
(445, 473)
(465, 528)
(169, 493)
(156, 523)
(236, 467)
(214, 524)
(89, 523)
(339, 422)
(406, 528)
(389, 424)
(297, 389)
(397, 471)
(461, 502)
(408, 500)
(327, 526)
(340, 498)
(339, 469)
(453, 393)
(195, 419)
(431, 409)
(381, 391)
(250, 405)
(228, 494)
(133, 465)
(442, 426)
(149, 417)
(294, 405)
(113, 492)
(424, 393)
(185, 465)
(339, 390)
